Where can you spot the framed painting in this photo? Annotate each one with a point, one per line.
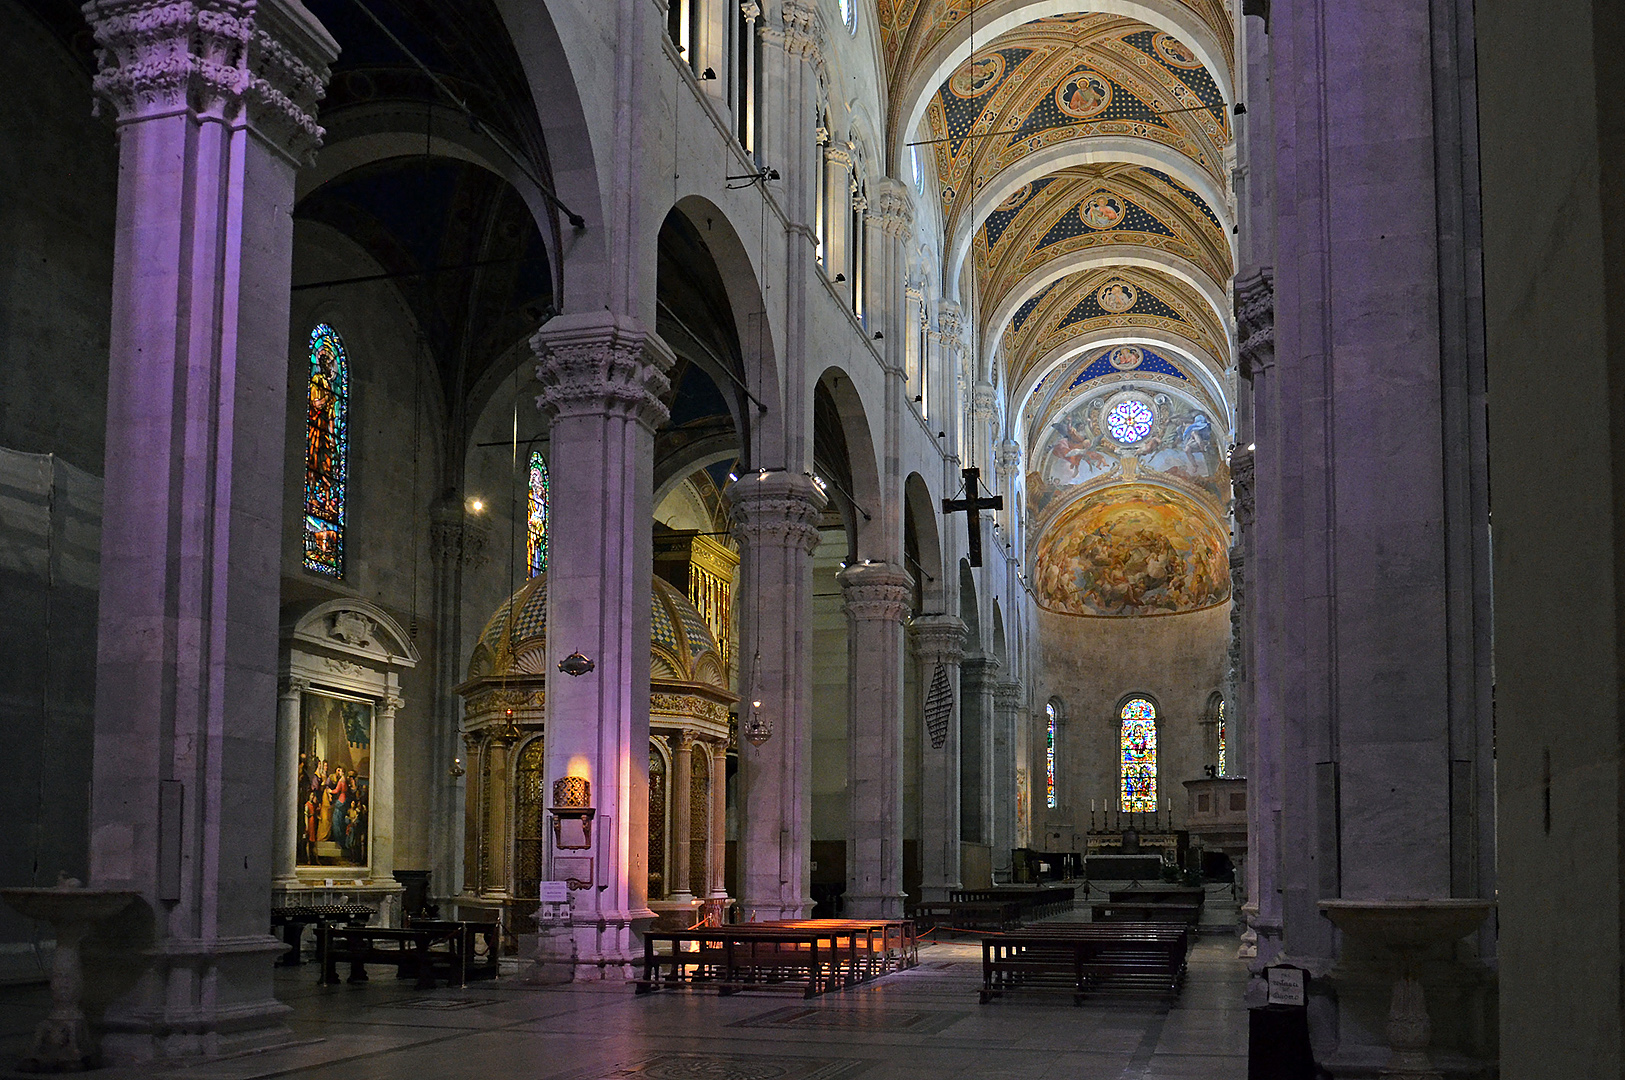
(335, 778)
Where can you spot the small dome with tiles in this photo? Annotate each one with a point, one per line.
(682, 648)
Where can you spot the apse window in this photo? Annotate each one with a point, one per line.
(1049, 755)
(1139, 745)
(536, 519)
(919, 169)
(849, 15)
(1130, 421)
(327, 448)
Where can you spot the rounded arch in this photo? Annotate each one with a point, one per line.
(1098, 149)
(1096, 258)
(919, 507)
(862, 464)
(997, 16)
(1208, 370)
(758, 351)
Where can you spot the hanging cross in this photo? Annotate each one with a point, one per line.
(973, 505)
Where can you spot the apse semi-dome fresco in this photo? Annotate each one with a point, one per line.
(1133, 550)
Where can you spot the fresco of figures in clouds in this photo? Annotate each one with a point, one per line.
(1133, 549)
(1126, 432)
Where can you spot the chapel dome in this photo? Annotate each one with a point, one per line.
(682, 648)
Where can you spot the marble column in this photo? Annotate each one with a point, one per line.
(473, 814)
(381, 806)
(716, 846)
(602, 378)
(877, 597)
(215, 103)
(939, 642)
(978, 675)
(498, 795)
(682, 816)
(289, 818)
(1007, 715)
(775, 519)
(457, 544)
(1372, 530)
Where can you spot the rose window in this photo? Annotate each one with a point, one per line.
(1129, 421)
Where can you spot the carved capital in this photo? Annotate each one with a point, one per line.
(1255, 322)
(980, 671)
(597, 364)
(984, 403)
(1007, 459)
(454, 537)
(266, 62)
(1241, 485)
(775, 509)
(1007, 695)
(291, 686)
(893, 208)
(801, 36)
(876, 592)
(950, 322)
(938, 639)
(389, 704)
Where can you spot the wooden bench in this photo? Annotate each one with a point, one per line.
(429, 950)
(1175, 894)
(884, 945)
(1034, 903)
(1152, 911)
(293, 919)
(812, 956)
(1085, 958)
(969, 914)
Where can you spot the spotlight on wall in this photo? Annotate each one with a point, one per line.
(477, 505)
(1250, 447)
(732, 475)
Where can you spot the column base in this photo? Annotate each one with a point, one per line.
(194, 1000)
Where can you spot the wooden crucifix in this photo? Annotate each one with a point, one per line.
(973, 504)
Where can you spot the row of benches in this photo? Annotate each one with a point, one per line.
(1086, 958)
(813, 956)
(431, 950)
(995, 909)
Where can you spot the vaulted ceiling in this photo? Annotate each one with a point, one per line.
(1083, 159)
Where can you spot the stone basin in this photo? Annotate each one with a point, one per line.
(1408, 926)
(63, 1041)
(65, 904)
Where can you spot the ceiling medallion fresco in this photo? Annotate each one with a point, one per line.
(1122, 432)
(1065, 78)
(1132, 550)
(1109, 298)
(1089, 208)
(911, 29)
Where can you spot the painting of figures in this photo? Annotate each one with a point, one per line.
(335, 758)
(1132, 550)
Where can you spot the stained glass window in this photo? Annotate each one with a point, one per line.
(1221, 738)
(1129, 421)
(1049, 756)
(327, 448)
(1139, 742)
(536, 523)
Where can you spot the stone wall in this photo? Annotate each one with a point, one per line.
(1089, 665)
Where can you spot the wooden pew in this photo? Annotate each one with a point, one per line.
(427, 949)
(884, 945)
(752, 956)
(295, 918)
(969, 914)
(1086, 958)
(1146, 911)
(1175, 894)
(1036, 902)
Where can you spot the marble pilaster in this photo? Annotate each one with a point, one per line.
(939, 642)
(285, 824)
(602, 378)
(215, 103)
(977, 677)
(775, 519)
(877, 597)
(682, 783)
(1008, 696)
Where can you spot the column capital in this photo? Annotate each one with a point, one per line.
(291, 686)
(1241, 484)
(390, 703)
(876, 591)
(453, 536)
(801, 35)
(983, 669)
(938, 639)
(776, 509)
(228, 59)
(1007, 460)
(984, 403)
(1008, 693)
(1255, 321)
(893, 207)
(600, 364)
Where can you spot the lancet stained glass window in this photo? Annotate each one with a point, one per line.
(536, 522)
(1139, 741)
(1049, 756)
(327, 449)
(1221, 738)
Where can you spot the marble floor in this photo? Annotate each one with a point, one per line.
(922, 1024)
